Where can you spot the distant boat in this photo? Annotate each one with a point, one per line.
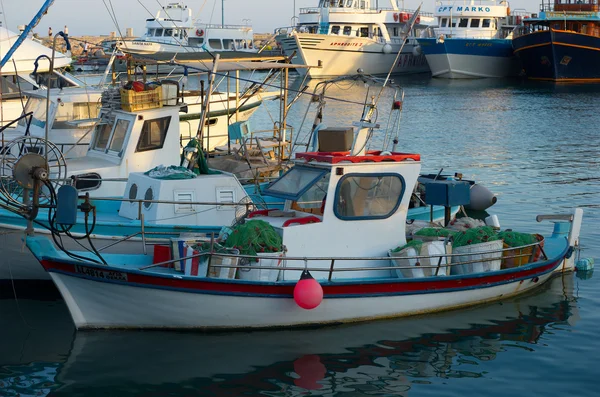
(562, 44)
(472, 40)
(173, 30)
(345, 37)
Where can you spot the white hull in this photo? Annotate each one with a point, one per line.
(457, 66)
(96, 304)
(150, 47)
(341, 55)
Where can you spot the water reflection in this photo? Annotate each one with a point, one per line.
(381, 358)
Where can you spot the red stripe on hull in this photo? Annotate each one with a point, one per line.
(330, 289)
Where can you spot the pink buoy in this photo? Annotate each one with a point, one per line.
(308, 293)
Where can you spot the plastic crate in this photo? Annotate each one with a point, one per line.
(132, 101)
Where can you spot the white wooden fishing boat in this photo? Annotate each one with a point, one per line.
(356, 36)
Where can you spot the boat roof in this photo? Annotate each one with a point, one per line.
(25, 56)
(372, 156)
(69, 94)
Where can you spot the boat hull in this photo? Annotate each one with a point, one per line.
(343, 55)
(117, 298)
(456, 58)
(560, 56)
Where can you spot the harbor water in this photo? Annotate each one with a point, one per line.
(535, 145)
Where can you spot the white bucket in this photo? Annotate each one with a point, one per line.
(406, 258)
(256, 273)
(472, 253)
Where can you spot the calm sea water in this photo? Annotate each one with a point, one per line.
(536, 145)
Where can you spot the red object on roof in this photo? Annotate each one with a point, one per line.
(373, 156)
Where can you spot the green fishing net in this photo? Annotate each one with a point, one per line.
(416, 244)
(434, 232)
(516, 239)
(253, 237)
(476, 235)
(201, 166)
(170, 172)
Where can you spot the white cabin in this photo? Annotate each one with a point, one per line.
(359, 203)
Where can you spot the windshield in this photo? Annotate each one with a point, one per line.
(296, 182)
(38, 107)
(69, 111)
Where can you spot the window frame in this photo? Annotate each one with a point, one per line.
(370, 174)
(164, 136)
(294, 197)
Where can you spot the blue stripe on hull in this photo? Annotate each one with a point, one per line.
(559, 56)
(481, 47)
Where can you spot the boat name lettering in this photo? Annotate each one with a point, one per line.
(346, 44)
(103, 274)
(465, 9)
(478, 44)
(141, 43)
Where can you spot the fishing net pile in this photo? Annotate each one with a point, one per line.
(254, 236)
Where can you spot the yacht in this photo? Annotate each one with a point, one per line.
(472, 39)
(174, 30)
(16, 77)
(347, 37)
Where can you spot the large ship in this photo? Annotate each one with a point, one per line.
(355, 36)
(173, 30)
(563, 43)
(473, 39)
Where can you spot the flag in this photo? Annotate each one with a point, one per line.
(410, 23)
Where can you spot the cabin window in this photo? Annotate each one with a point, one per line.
(349, 3)
(444, 22)
(347, 30)
(364, 32)
(158, 33)
(153, 134)
(296, 182)
(101, 136)
(118, 138)
(74, 111)
(368, 196)
(150, 33)
(454, 22)
(485, 23)
(168, 32)
(215, 44)
(463, 22)
(394, 31)
(335, 30)
(38, 107)
(211, 122)
(228, 44)
(475, 23)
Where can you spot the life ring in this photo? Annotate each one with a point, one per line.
(199, 32)
(396, 16)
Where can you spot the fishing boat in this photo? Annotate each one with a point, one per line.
(562, 43)
(472, 39)
(337, 252)
(356, 36)
(173, 30)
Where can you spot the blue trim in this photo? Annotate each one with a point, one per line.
(361, 218)
(501, 48)
(299, 194)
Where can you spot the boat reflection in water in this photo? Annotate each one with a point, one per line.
(384, 357)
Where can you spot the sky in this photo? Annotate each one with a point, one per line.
(90, 17)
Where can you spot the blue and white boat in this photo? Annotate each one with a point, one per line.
(473, 39)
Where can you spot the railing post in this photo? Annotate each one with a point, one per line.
(331, 270)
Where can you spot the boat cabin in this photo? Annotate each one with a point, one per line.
(579, 16)
(338, 205)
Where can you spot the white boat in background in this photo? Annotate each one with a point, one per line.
(346, 36)
(15, 76)
(74, 114)
(473, 39)
(173, 30)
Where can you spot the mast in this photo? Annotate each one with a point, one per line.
(36, 19)
(222, 13)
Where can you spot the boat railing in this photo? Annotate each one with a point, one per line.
(219, 26)
(317, 10)
(525, 252)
